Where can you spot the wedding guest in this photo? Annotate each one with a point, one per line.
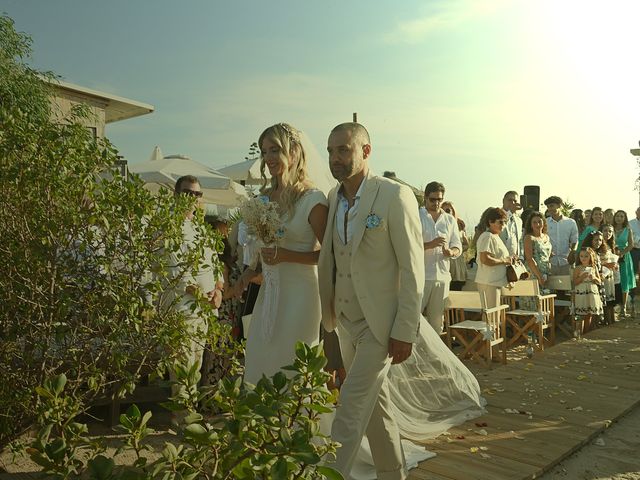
(609, 235)
(189, 287)
(458, 265)
(608, 215)
(577, 215)
(587, 217)
(624, 242)
(596, 220)
(607, 264)
(594, 241)
(217, 359)
(493, 257)
(537, 248)
(587, 281)
(442, 243)
(511, 234)
(634, 225)
(563, 233)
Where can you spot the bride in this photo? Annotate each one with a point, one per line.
(431, 391)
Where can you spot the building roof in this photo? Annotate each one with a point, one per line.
(116, 108)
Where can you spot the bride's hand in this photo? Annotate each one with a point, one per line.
(271, 256)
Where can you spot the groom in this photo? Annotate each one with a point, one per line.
(371, 274)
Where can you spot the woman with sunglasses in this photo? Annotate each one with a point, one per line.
(492, 256)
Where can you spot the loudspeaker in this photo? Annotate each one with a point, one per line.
(532, 194)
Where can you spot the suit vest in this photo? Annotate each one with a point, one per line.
(346, 300)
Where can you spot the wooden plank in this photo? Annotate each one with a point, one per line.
(518, 446)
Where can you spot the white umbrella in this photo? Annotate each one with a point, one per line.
(247, 171)
(217, 188)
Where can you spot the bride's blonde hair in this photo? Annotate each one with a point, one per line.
(294, 176)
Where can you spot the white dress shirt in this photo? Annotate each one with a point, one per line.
(511, 234)
(436, 265)
(634, 225)
(562, 234)
(343, 209)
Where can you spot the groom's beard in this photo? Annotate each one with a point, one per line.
(341, 172)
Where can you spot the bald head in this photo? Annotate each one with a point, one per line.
(357, 132)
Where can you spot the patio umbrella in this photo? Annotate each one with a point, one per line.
(217, 188)
(246, 172)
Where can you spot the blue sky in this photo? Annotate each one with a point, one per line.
(483, 95)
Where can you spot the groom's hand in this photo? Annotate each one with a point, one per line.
(399, 351)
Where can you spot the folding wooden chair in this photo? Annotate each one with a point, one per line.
(562, 285)
(522, 321)
(478, 338)
(460, 306)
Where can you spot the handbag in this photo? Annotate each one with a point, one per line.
(516, 271)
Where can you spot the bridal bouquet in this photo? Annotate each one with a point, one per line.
(262, 219)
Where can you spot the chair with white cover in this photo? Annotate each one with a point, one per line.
(478, 338)
(522, 321)
(565, 309)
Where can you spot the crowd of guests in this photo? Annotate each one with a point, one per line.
(599, 248)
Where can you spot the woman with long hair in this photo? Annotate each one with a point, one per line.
(596, 220)
(275, 325)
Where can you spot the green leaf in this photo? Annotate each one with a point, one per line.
(101, 467)
(58, 383)
(280, 470)
(133, 412)
(329, 473)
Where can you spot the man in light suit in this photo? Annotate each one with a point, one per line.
(371, 274)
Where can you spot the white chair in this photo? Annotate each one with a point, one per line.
(523, 320)
(478, 338)
(565, 308)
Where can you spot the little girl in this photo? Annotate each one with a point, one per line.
(608, 233)
(608, 265)
(587, 280)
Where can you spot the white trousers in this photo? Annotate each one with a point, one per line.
(364, 404)
(435, 293)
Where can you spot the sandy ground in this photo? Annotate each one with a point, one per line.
(614, 455)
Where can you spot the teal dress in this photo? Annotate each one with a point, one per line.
(587, 230)
(627, 273)
(541, 253)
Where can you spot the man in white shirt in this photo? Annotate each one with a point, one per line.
(441, 243)
(511, 234)
(563, 233)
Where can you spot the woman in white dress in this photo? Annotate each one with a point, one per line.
(431, 391)
(296, 313)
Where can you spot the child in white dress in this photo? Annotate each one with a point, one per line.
(587, 281)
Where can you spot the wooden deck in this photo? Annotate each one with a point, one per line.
(541, 410)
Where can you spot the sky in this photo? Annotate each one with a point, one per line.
(484, 96)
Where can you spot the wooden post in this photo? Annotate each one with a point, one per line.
(355, 117)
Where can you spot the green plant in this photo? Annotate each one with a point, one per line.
(87, 281)
(270, 431)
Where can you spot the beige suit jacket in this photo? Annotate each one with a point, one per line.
(387, 261)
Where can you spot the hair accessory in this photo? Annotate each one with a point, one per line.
(292, 133)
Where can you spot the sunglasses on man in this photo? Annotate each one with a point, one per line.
(193, 193)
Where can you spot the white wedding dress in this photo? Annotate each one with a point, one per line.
(431, 391)
(297, 308)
